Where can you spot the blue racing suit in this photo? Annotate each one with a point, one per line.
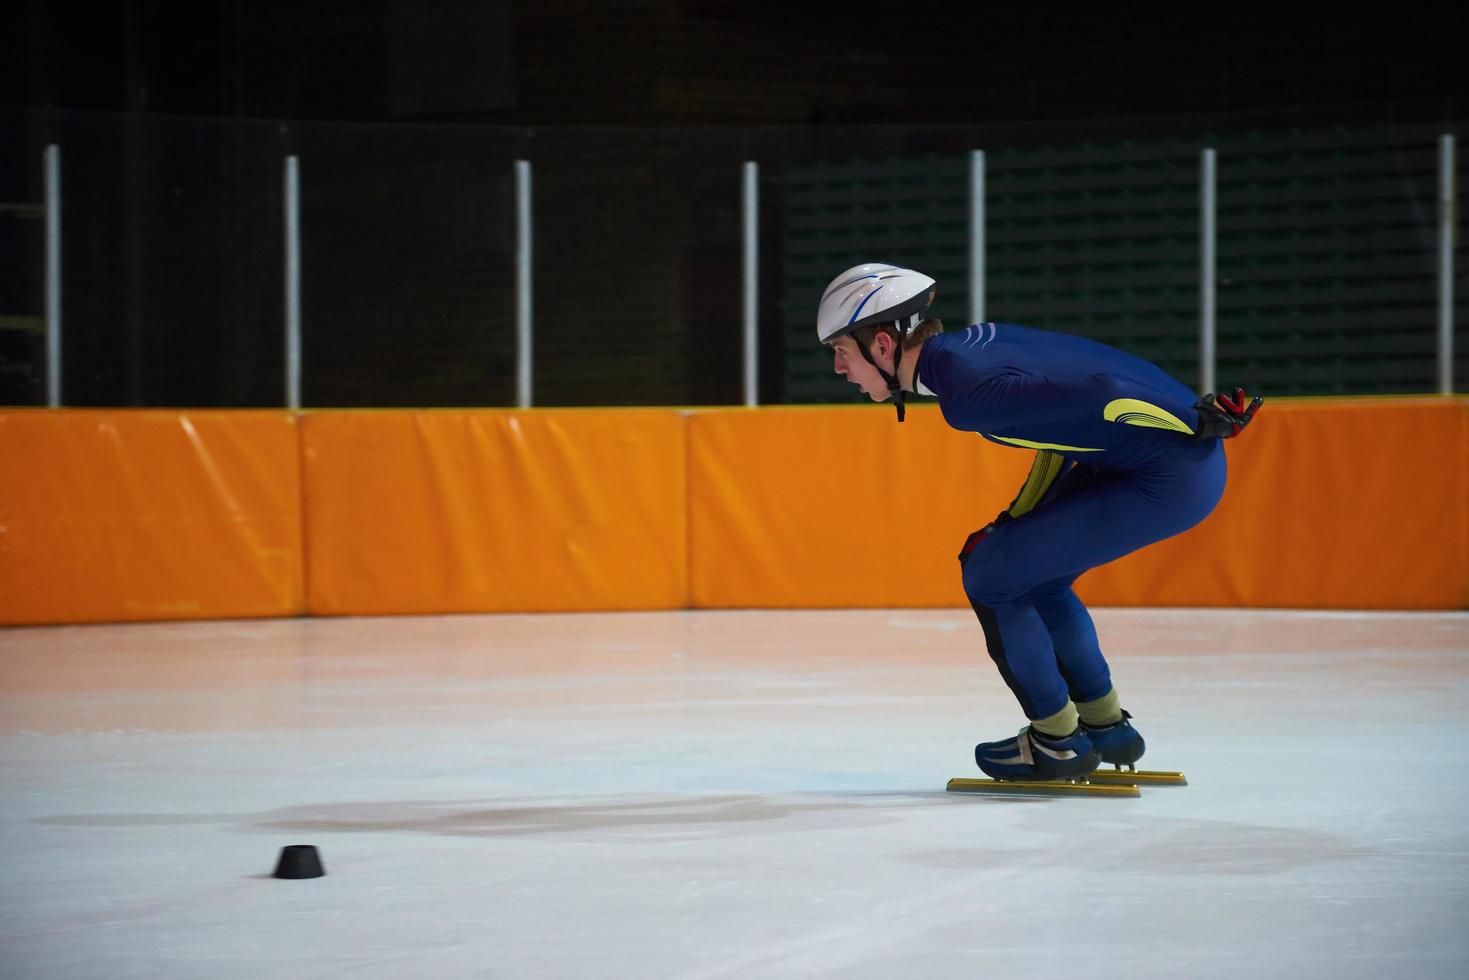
(1118, 467)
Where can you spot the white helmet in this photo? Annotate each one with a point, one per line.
(875, 293)
(871, 293)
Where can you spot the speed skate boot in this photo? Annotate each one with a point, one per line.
(1036, 755)
(1119, 744)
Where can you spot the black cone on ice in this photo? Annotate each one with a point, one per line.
(299, 861)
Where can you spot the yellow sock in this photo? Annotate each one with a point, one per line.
(1061, 724)
(1103, 711)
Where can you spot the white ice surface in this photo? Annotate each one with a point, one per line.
(723, 794)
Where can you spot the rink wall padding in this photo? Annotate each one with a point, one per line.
(472, 511)
(109, 516)
(116, 515)
(1331, 503)
(796, 507)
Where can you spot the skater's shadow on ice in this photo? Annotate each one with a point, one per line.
(689, 817)
(1163, 845)
(683, 817)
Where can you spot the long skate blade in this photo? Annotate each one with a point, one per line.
(1030, 787)
(1137, 777)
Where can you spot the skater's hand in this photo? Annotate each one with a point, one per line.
(972, 542)
(1225, 416)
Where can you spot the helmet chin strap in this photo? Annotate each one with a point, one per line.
(895, 389)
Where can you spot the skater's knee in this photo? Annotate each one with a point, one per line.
(987, 581)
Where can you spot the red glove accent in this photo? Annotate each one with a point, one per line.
(972, 542)
(1223, 416)
(1235, 404)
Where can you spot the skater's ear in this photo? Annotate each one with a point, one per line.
(883, 344)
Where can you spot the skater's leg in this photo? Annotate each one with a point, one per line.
(1099, 517)
(1021, 648)
(1073, 636)
(1087, 676)
(1074, 639)
(1018, 579)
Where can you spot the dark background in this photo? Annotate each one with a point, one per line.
(722, 62)
(173, 118)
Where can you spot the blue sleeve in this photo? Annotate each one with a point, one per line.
(998, 396)
(1010, 398)
(989, 399)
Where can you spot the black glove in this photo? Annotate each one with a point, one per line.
(1225, 416)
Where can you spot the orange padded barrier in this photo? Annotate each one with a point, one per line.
(795, 507)
(127, 515)
(132, 515)
(493, 511)
(1330, 504)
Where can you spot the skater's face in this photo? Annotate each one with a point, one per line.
(850, 364)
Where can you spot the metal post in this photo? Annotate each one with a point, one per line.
(1207, 269)
(750, 205)
(976, 236)
(293, 284)
(523, 283)
(1446, 229)
(52, 165)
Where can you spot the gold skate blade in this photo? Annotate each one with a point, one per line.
(1033, 787)
(1137, 777)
